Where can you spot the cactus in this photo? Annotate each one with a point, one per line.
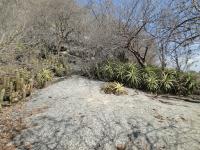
(25, 90)
(14, 97)
(18, 79)
(6, 81)
(22, 83)
(31, 82)
(43, 77)
(19, 84)
(11, 89)
(2, 93)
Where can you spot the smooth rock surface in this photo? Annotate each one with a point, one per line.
(79, 116)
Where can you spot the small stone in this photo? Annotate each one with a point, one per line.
(121, 146)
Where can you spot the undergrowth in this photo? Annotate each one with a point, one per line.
(151, 78)
(114, 88)
(18, 81)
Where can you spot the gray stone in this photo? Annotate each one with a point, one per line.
(81, 117)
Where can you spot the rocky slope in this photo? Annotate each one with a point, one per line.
(76, 115)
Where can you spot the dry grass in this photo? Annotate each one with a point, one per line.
(10, 126)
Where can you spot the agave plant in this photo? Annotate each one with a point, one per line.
(133, 77)
(152, 83)
(120, 71)
(108, 70)
(118, 87)
(190, 83)
(149, 70)
(168, 82)
(114, 88)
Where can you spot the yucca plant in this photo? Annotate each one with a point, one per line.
(120, 72)
(188, 84)
(153, 70)
(191, 82)
(133, 76)
(114, 88)
(152, 83)
(118, 88)
(168, 82)
(150, 78)
(108, 70)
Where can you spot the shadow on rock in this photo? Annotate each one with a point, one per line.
(101, 132)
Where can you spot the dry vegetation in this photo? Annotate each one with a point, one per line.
(114, 88)
(35, 35)
(142, 37)
(10, 127)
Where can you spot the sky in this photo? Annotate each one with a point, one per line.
(196, 66)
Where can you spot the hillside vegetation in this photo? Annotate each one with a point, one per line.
(150, 78)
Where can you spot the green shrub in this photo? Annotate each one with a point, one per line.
(114, 88)
(60, 70)
(20, 76)
(191, 83)
(133, 76)
(120, 72)
(152, 83)
(98, 71)
(108, 70)
(25, 74)
(18, 86)
(168, 82)
(186, 84)
(150, 78)
(43, 77)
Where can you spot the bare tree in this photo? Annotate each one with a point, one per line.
(125, 27)
(144, 28)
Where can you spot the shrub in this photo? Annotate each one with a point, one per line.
(59, 70)
(43, 77)
(18, 86)
(114, 88)
(58, 66)
(19, 76)
(150, 78)
(133, 76)
(152, 83)
(98, 71)
(108, 70)
(186, 84)
(191, 83)
(25, 74)
(168, 82)
(120, 72)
